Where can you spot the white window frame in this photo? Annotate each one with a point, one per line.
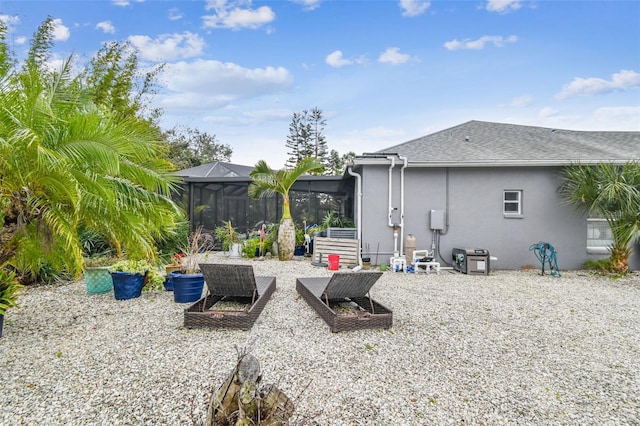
(517, 202)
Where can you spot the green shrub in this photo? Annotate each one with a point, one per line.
(172, 241)
(249, 247)
(9, 288)
(335, 220)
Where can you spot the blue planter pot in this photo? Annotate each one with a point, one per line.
(98, 280)
(187, 287)
(168, 283)
(127, 285)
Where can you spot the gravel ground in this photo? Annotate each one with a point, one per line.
(513, 347)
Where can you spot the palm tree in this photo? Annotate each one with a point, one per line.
(612, 192)
(66, 162)
(267, 181)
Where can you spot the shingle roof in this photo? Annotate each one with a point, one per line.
(480, 142)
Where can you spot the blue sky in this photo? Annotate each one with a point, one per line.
(383, 72)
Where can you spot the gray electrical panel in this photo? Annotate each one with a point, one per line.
(436, 220)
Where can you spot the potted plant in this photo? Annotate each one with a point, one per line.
(175, 265)
(96, 274)
(333, 220)
(128, 278)
(230, 238)
(9, 288)
(188, 282)
(299, 248)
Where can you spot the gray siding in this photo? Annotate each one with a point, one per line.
(472, 200)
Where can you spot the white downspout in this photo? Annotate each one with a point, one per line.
(391, 166)
(359, 207)
(404, 166)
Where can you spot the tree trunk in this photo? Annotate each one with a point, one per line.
(620, 260)
(8, 244)
(238, 401)
(286, 239)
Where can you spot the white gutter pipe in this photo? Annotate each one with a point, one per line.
(404, 166)
(391, 166)
(359, 207)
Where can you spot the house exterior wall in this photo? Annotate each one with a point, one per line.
(472, 199)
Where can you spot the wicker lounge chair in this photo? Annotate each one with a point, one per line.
(343, 300)
(237, 285)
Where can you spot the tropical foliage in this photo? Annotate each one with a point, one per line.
(227, 234)
(612, 192)
(71, 160)
(267, 181)
(9, 289)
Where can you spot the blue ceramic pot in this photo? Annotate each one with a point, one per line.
(98, 280)
(187, 287)
(127, 285)
(168, 284)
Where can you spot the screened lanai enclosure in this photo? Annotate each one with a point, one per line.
(217, 192)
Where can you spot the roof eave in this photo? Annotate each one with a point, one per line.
(489, 163)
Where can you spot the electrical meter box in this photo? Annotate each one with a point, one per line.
(436, 220)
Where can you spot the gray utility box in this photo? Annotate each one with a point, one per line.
(472, 261)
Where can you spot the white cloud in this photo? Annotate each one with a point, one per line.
(212, 84)
(21, 40)
(623, 80)
(106, 26)
(547, 112)
(60, 31)
(617, 118)
(521, 101)
(168, 46)
(309, 4)
(124, 3)
(237, 15)
(503, 6)
(414, 7)
(336, 60)
(175, 14)
(10, 21)
(478, 44)
(393, 56)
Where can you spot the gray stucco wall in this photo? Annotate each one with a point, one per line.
(473, 201)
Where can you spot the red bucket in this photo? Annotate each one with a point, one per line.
(334, 262)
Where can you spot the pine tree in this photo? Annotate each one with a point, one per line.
(295, 141)
(306, 138)
(317, 140)
(337, 162)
